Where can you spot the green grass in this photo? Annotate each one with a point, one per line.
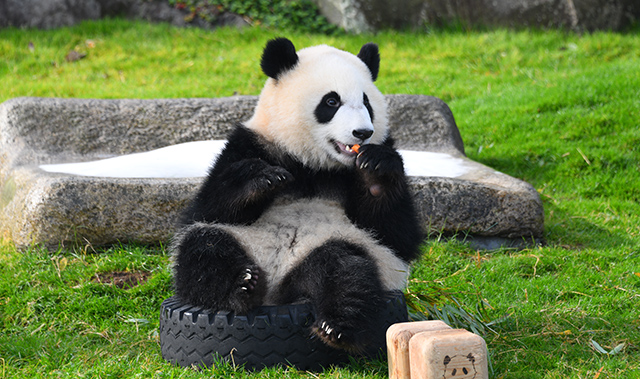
(558, 110)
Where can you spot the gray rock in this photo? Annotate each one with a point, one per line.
(47, 14)
(46, 130)
(58, 210)
(578, 15)
(345, 14)
(424, 123)
(353, 15)
(392, 14)
(114, 8)
(156, 11)
(53, 209)
(485, 203)
(233, 20)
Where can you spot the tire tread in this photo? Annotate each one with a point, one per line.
(266, 336)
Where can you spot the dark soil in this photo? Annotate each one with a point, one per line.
(121, 279)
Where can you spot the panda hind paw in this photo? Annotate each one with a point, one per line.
(335, 337)
(249, 291)
(249, 279)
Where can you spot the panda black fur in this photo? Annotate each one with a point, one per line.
(290, 213)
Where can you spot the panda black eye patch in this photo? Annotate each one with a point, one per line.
(327, 107)
(365, 101)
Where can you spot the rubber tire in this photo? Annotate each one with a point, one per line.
(266, 336)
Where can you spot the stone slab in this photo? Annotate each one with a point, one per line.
(577, 15)
(53, 208)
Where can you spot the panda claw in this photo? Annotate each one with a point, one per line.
(337, 337)
(326, 329)
(249, 280)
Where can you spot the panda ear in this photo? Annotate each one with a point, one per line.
(278, 57)
(371, 57)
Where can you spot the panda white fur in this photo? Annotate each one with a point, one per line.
(290, 213)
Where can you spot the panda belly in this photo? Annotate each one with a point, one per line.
(290, 229)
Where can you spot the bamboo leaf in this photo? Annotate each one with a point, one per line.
(617, 349)
(598, 347)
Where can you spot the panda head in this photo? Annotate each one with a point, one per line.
(320, 101)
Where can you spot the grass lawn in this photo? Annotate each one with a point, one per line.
(559, 110)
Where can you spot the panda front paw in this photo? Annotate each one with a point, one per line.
(266, 182)
(379, 160)
(381, 167)
(270, 179)
(254, 180)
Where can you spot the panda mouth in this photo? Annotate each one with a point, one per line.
(345, 149)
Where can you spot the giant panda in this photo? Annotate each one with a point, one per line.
(291, 213)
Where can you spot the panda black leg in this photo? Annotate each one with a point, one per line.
(343, 284)
(213, 271)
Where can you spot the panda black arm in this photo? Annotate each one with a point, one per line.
(381, 201)
(240, 185)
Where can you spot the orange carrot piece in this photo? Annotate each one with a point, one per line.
(356, 148)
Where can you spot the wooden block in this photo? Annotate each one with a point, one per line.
(453, 353)
(398, 336)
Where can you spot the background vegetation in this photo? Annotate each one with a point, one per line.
(300, 15)
(558, 110)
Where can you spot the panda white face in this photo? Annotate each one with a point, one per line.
(321, 103)
(342, 123)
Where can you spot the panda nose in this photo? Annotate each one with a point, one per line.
(362, 134)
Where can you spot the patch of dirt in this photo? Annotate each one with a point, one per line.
(121, 279)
